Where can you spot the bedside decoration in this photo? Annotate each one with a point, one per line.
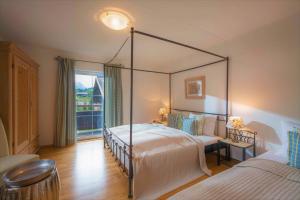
(195, 88)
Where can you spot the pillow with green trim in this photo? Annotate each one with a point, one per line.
(200, 122)
(294, 148)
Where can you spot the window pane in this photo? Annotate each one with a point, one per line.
(89, 103)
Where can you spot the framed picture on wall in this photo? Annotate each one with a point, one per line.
(195, 88)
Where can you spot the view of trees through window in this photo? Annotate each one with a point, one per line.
(89, 103)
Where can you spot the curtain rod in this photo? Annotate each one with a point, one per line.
(87, 61)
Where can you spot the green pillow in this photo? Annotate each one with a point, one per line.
(175, 120)
(172, 120)
(179, 120)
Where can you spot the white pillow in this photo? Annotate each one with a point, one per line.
(209, 125)
(286, 126)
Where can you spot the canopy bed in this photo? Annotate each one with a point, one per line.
(164, 154)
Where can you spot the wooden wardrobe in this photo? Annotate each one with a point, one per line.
(19, 98)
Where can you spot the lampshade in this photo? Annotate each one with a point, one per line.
(114, 19)
(235, 122)
(162, 111)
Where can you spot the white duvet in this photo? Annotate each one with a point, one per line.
(163, 158)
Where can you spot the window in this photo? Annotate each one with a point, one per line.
(89, 103)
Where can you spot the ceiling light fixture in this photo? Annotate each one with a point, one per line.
(114, 19)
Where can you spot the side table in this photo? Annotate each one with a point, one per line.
(242, 145)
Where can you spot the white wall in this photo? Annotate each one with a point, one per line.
(150, 90)
(215, 78)
(264, 80)
(214, 102)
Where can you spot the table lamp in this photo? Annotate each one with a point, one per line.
(162, 113)
(235, 122)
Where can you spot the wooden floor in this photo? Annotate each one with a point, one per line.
(88, 171)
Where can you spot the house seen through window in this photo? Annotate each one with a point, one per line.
(89, 103)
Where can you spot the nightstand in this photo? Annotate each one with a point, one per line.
(160, 122)
(240, 138)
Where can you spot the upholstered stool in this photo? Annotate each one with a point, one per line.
(33, 180)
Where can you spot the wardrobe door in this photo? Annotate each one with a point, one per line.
(33, 109)
(21, 117)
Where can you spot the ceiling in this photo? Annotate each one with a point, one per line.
(70, 26)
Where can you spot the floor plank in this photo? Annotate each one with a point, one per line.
(87, 171)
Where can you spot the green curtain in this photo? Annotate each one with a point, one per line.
(65, 124)
(113, 96)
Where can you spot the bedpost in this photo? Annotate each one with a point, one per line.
(227, 91)
(103, 124)
(170, 92)
(130, 174)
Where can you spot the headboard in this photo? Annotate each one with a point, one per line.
(220, 124)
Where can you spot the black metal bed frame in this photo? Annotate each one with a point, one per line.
(121, 149)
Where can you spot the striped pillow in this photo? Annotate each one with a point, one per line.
(189, 125)
(200, 121)
(173, 120)
(179, 120)
(294, 148)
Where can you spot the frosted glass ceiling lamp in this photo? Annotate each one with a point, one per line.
(115, 20)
